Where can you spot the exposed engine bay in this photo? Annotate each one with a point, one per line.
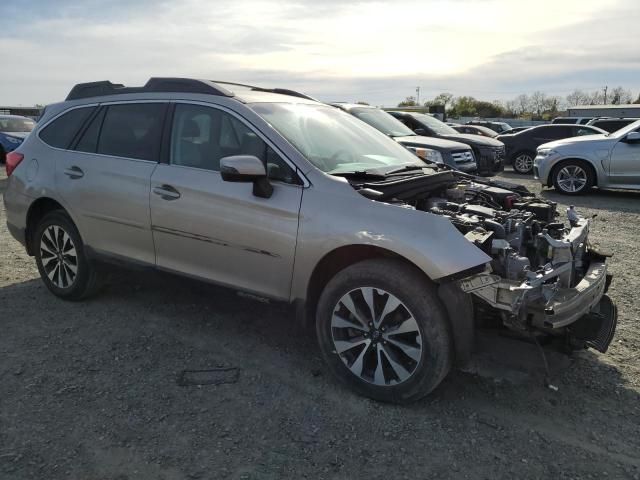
(544, 274)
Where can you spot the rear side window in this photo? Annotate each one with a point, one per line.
(61, 132)
(555, 132)
(132, 131)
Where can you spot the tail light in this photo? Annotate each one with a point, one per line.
(13, 159)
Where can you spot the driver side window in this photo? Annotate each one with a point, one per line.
(201, 136)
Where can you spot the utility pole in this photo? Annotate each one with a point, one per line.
(418, 96)
(605, 94)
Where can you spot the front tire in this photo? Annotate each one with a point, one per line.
(572, 177)
(383, 331)
(63, 265)
(523, 162)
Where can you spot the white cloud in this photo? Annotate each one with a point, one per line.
(370, 50)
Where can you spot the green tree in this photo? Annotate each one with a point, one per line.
(443, 99)
(488, 109)
(464, 107)
(408, 102)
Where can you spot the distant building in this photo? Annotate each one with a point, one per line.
(617, 111)
(31, 112)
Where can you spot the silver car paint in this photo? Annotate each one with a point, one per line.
(617, 164)
(244, 241)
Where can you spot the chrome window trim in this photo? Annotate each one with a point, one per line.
(292, 165)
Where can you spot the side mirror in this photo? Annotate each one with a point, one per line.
(632, 137)
(247, 168)
(420, 131)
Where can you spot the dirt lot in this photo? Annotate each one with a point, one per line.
(89, 391)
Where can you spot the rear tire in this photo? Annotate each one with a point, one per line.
(523, 162)
(360, 346)
(572, 177)
(63, 265)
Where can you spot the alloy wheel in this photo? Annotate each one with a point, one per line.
(572, 178)
(376, 336)
(523, 163)
(59, 257)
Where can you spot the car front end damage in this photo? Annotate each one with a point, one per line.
(545, 279)
(565, 297)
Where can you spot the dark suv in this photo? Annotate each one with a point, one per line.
(489, 152)
(611, 124)
(454, 154)
(521, 147)
(498, 127)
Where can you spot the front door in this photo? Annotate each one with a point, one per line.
(624, 168)
(212, 229)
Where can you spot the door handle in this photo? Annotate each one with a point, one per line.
(167, 192)
(74, 172)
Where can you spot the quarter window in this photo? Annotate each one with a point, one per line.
(201, 136)
(132, 131)
(61, 132)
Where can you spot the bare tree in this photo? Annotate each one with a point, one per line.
(595, 98)
(620, 95)
(577, 97)
(523, 103)
(511, 107)
(538, 101)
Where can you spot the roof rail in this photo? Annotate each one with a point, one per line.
(281, 91)
(183, 85)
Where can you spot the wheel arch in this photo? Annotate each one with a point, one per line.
(588, 164)
(37, 210)
(457, 305)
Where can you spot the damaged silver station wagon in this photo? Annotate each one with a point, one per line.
(396, 261)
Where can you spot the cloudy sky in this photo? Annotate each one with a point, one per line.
(332, 49)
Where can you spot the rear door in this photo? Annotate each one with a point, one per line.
(106, 177)
(217, 230)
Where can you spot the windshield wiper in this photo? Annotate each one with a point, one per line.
(406, 168)
(394, 135)
(358, 174)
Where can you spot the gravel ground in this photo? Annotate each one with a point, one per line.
(90, 390)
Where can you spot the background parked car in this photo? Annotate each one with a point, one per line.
(489, 152)
(521, 147)
(572, 120)
(455, 154)
(611, 124)
(475, 130)
(574, 165)
(13, 130)
(516, 130)
(498, 127)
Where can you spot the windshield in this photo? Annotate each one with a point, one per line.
(435, 124)
(635, 126)
(333, 140)
(382, 121)
(16, 124)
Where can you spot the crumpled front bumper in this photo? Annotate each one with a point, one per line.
(530, 306)
(544, 299)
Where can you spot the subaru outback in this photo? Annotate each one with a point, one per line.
(396, 262)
